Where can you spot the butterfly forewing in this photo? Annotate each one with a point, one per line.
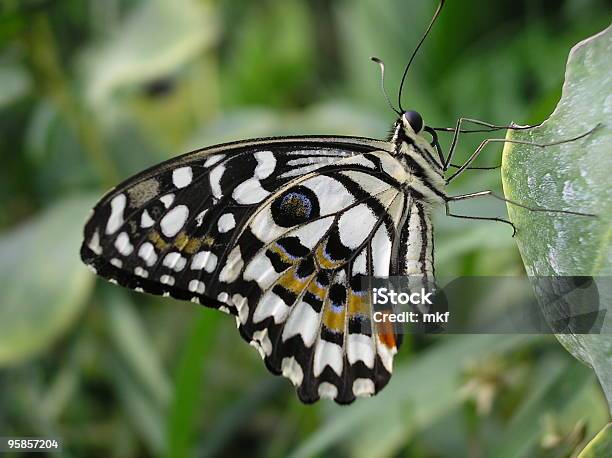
(278, 232)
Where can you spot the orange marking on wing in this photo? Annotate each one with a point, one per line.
(277, 249)
(323, 261)
(358, 304)
(386, 333)
(193, 245)
(334, 320)
(317, 290)
(188, 244)
(157, 240)
(181, 240)
(290, 281)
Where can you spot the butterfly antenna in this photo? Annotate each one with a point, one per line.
(433, 20)
(382, 83)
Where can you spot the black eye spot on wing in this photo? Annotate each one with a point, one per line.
(295, 206)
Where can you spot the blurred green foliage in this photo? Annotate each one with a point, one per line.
(94, 91)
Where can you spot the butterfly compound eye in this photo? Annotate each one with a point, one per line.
(415, 120)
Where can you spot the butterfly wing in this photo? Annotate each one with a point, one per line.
(280, 233)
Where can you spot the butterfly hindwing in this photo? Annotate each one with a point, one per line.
(311, 316)
(278, 232)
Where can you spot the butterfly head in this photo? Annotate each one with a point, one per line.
(407, 134)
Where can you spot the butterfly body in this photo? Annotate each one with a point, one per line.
(280, 233)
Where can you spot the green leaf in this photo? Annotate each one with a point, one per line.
(600, 446)
(42, 280)
(571, 176)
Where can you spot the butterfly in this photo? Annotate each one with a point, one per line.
(280, 232)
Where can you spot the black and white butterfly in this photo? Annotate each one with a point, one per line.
(279, 232)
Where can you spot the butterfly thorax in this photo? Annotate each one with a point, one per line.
(419, 158)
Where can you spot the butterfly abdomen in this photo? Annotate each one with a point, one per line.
(416, 247)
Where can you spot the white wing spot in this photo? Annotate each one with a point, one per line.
(249, 192)
(212, 160)
(327, 354)
(167, 200)
(174, 261)
(303, 321)
(363, 387)
(266, 163)
(360, 347)
(262, 342)
(215, 180)
(147, 253)
(226, 223)
(271, 305)
(200, 218)
(261, 270)
(139, 271)
(233, 266)
(146, 220)
(182, 177)
(352, 235)
(167, 280)
(360, 263)
(292, 370)
(327, 390)
(196, 286)
(386, 354)
(174, 220)
(116, 218)
(204, 260)
(242, 306)
(94, 243)
(381, 252)
(123, 245)
(117, 262)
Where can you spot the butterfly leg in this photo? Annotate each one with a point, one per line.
(511, 202)
(482, 218)
(517, 142)
(436, 144)
(493, 167)
(457, 130)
